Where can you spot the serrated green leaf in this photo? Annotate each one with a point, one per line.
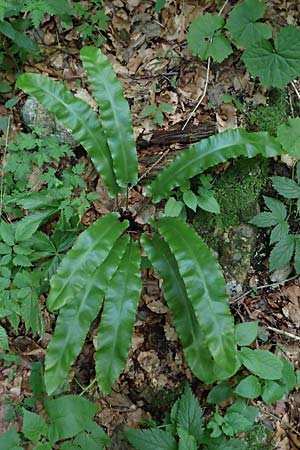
(210, 152)
(3, 339)
(88, 252)
(190, 199)
(264, 220)
(288, 135)
(190, 415)
(173, 207)
(34, 426)
(272, 392)
(117, 320)
(153, 439)
(275, 66)
(75, 318)
(115, 114)
(277, 208)
(10, 440)
(21, 260)
(282, 253)
(76, 115)
(187, 326)
(186, 441)
(203, 39)
(69, 415)
(262, 363)
(249, 387)
(286, 187)
(246, 333)
(242, 25)
(279, 232)
(205, 287)
(7, 233)
(220, 393)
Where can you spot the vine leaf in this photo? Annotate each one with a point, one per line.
(243, 26)
(117, 320)
(88, 252)
(75, 318)
(76, 115)
(275, 66)
(115, 114)
(187, 326)
(210, 152)
(205, 38)
(205, 287)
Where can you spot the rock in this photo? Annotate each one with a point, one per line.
(35, 116)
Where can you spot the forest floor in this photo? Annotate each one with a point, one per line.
(150, 56)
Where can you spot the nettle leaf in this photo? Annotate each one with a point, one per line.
(210, 152)
(75, 318)
(262, 363)
(242, 25)
(275, 66)
(190, 415)
(76, 115)
(204, 39)
(117, 320)
(249, 387)
(186, 441)
(153, 439)
(115, 114)
(282, 253)
(34, 426)
(187, 326)
(69, 415)
(89, 251)
(246, 333)
(288, 135)
(206, 289)
(286, 187)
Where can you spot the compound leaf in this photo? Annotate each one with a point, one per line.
(210, 152)
(205, 287)
(275, 66)
(117, 320)
(153, 439)
(242, 25)
(286, 187)
(288, 135)
(204, 39)
(115, 114)
(76, 115)
(282, 253)
(75, 318)
(88, 252)
(187, 326)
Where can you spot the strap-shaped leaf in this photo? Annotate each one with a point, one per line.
(115, 114)
(209, 152)
(77, 115)
(89, 251)
(187, 326)
(75, 318)
(205, 287)
(117, 320)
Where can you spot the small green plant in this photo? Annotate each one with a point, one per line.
(66, 424)
(102, 270)
(157, 112)
(276, 62)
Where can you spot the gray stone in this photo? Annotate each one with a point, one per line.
(35, 116)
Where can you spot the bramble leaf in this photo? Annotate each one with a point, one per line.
(242, 25)
(275, 66)
(286, 187)
(282, 253)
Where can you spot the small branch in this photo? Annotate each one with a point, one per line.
(284, 333)
(153, 165)
(296, 90)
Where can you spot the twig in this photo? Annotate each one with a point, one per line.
(153, 165)
(296, 90)
(284, 333)
(265, 286)
(206, 78)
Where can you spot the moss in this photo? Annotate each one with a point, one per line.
(267, 117)
(237, 191)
